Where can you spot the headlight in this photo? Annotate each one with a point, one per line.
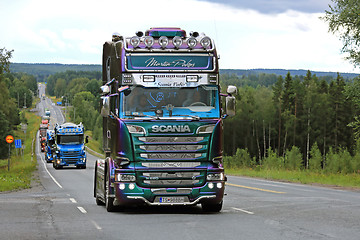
(163, 42)
(136, 129)
(205, 42)
(215, 177)
(177, 41)
(125, 178)
(149, 41)
(135, 41)
(206, 129)
(191, 42)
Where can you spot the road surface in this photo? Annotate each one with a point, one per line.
(61, 206)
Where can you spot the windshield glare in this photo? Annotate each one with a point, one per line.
(200, 101)
(70, 139)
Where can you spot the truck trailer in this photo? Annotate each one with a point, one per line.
(162, 121)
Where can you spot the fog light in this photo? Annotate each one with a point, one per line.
(191, 42)
(205, 42)
(211, 185)
(163, 41)
(135, 41)
(131, 186)
(122, 186)
(177, 41)
(149, 41)
(219, 185)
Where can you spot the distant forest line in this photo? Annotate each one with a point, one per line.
(43, 70)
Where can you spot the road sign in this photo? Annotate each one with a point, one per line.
(9, 139)
(17, 143)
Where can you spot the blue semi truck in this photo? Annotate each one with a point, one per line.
(70, 146)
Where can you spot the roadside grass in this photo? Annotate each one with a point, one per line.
(300, 176)
(93, 144)
(21, 167)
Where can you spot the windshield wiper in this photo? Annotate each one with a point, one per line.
(197, 118)
(142, 115)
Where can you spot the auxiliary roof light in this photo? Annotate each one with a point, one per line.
(177, 41)
(205, 42)
(163, 41)
(149, 41)
(191, 42)
(135, 41)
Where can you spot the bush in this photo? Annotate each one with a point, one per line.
(315, 162)
(240, 159)
(273, 161)
(293, 159)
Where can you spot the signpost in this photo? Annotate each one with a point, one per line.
(9, 139)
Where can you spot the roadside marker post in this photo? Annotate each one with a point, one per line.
(9, 139)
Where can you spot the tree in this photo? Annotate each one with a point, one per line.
(344, 18)
(9, 114)
(5, 56)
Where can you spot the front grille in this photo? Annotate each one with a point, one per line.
(171, 164)
(71, 153)
(171, 161)
(171, 147)
(170, 155)
(171, 178)
(188, 139)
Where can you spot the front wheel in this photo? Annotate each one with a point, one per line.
(211, 207)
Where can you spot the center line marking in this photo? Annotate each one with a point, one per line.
(82, 210)
(96, 225)
(73, 200)
(242, 210)
(253, 188)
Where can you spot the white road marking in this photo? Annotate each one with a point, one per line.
(81, 209)
(51, 176)
(96, 225)
(242, 210)
(73, 200)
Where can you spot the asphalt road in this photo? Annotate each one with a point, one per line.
(61, 206)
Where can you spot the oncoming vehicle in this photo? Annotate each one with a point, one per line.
(70, 147)
(162, 121)
(50, 146)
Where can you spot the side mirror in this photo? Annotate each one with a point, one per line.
(232, 90)
(105, 89)
(105, 110)
(87, 139)
(230, 106)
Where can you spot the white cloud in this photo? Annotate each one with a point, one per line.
(70, 31)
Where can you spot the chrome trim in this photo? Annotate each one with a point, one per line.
(171, 204)
(171, 70)
(178, 191)
(170, 164)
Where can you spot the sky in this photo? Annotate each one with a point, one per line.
(282, 34)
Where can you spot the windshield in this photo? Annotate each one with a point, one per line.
(70, 139)
(198, 102)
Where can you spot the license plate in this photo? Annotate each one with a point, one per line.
(171, 199)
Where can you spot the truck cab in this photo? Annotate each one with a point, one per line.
(70, 146)
(50, 146)
(162, 121)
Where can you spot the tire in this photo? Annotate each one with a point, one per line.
(211, 207)
(109, 201)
